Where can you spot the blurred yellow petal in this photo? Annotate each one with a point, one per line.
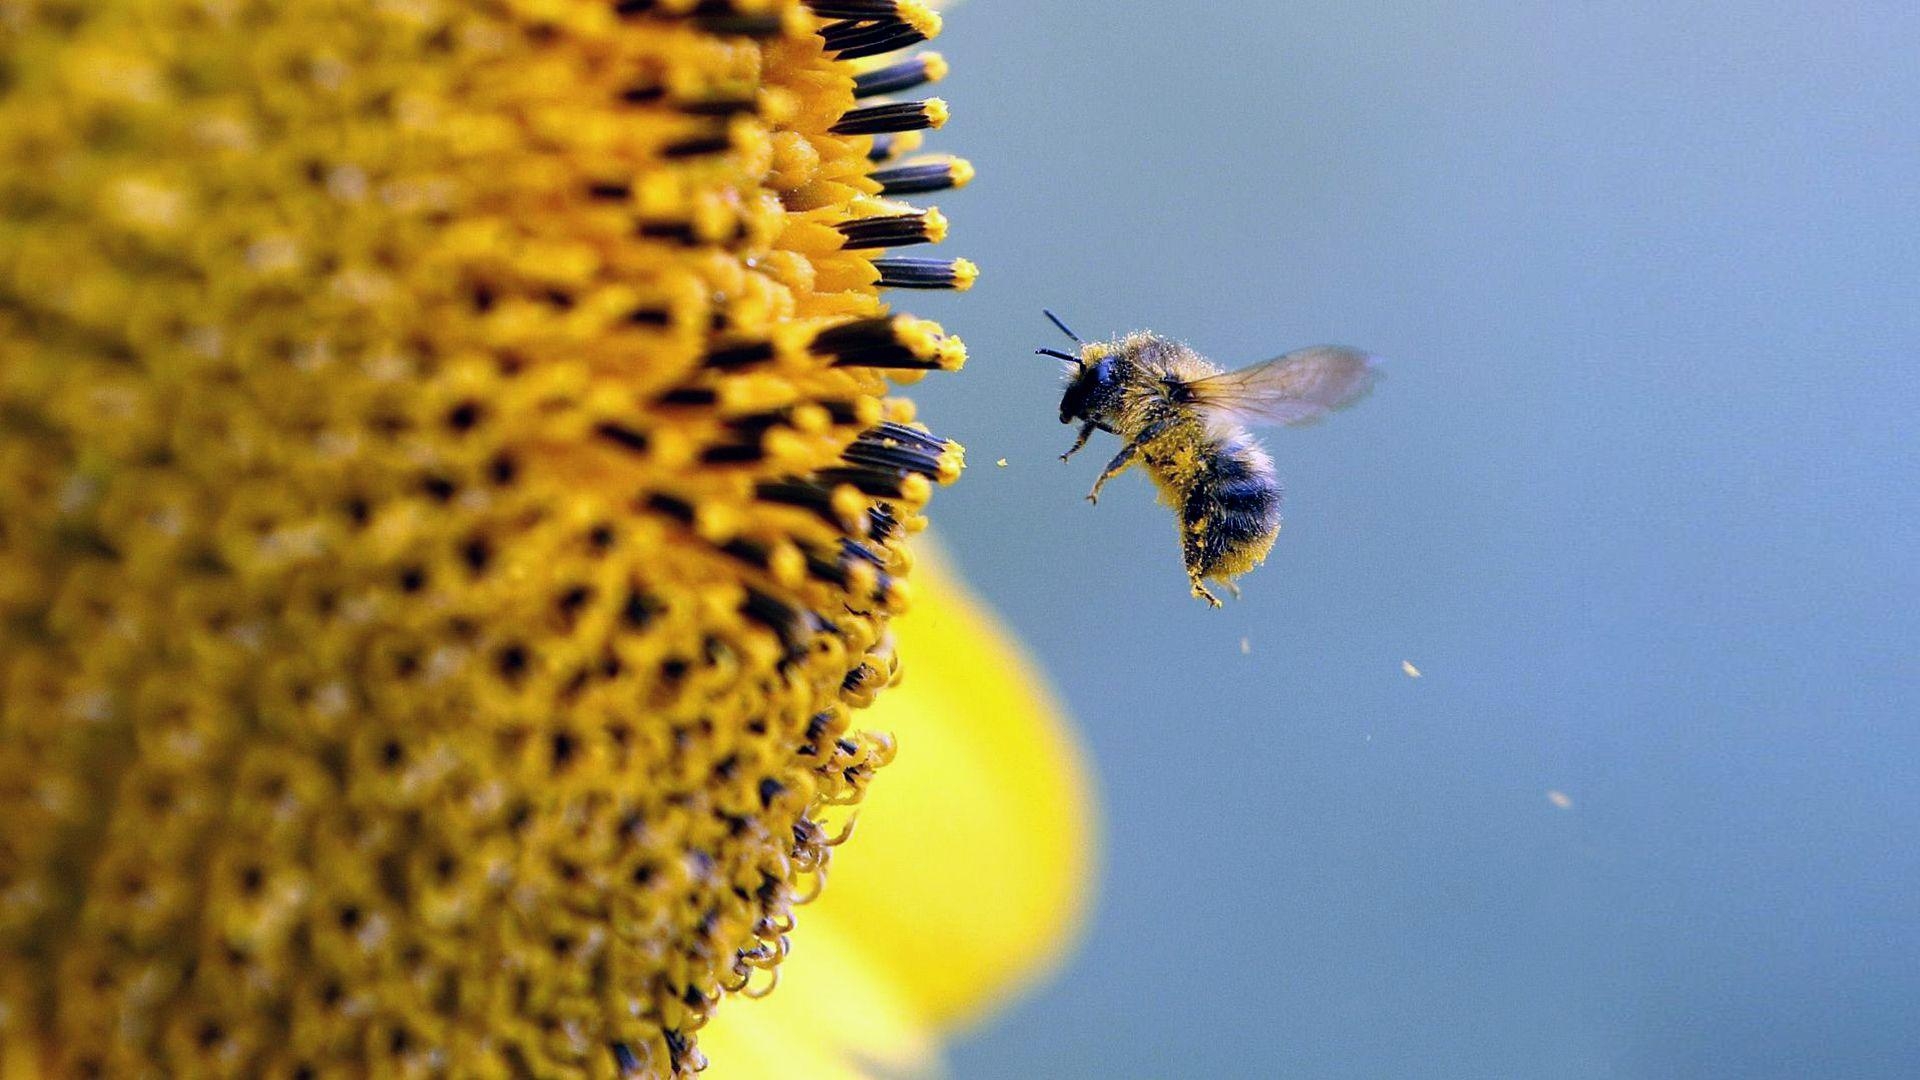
(975, 860)
(835, 1015)
(972, 869)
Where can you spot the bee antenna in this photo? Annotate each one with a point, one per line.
(1055, 319)
(1057, 355)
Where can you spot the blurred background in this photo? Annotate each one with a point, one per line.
(1638, 500)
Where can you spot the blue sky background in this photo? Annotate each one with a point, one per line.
(1639, 497)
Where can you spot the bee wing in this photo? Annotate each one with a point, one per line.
(1298, 388)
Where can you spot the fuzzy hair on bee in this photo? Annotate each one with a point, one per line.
(1186, 421)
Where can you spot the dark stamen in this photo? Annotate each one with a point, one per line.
(924, 177)
(754, 554)
(728, 357)
(782, 618)
(880, 483)
(855, 9)
(754, 425)
(698, 145)
(855, 550)
(689, 395)
(900, 342)
(717, 106)
(678, 509)
(887, 430)
(680, 232)
(732, 454)
(853, 39)
(894, 230)
(759, 26)
(915, 71)
(803, 494)
(916, 459)
(926, 274)
(622, 436)
(891, 117)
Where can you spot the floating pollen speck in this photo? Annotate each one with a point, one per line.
(1560, 800)
(1407, 666)
(1246, 647)
(1001, 462)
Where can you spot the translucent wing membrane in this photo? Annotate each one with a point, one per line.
(1298, 388)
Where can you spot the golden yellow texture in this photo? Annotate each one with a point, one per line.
(449, 514)
(969, 869)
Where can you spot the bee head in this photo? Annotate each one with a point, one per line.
(1087, 380)
(1086, 387)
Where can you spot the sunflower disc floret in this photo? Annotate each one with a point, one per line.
(450, 511)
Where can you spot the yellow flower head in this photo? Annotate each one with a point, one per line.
(449, 511)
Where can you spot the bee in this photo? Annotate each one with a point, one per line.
(1186, 420)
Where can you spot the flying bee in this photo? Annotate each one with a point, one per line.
(1186, 420)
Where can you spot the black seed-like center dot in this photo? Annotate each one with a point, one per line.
(464, 416)
(478, 554)
(513, 661)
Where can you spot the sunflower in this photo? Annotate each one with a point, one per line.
(451, 514)
(967, 874)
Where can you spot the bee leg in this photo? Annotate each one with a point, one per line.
(1114, 468)
(1200, 591)
(1125, 457)
(1232, 589)
(1086, 432)
(1195, 531)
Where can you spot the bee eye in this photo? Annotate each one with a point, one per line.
(1071, 403)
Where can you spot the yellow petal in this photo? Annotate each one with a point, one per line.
(971, 871)
(975, 861)
(835, 1016)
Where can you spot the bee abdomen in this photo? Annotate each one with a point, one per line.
(1232, 513)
